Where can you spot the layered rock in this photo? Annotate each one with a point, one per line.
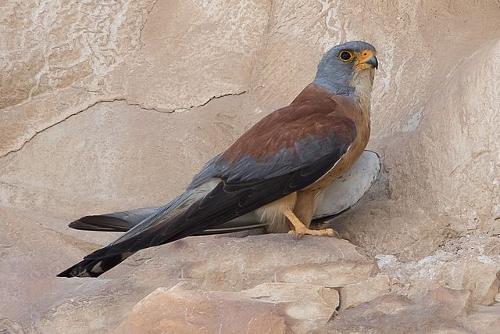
(114, 105)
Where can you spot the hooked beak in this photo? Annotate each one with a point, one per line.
(367, 59)
(372, 61)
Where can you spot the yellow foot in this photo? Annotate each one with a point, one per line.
(300, 232)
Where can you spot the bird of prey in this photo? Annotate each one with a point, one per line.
(277, 169)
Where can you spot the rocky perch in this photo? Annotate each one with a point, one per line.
(254, 284)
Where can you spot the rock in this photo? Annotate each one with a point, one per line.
(108, 106)
(448, 303)
(479, 275)
(267, 308)
(483, 319)
(364, 291)
(195, 312)
(447, 267)
(30, 256)
(10, 327)
(437, 312)
(242, 263)
(251, 267)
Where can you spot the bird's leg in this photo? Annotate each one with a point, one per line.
(300, 229)
(305, 207)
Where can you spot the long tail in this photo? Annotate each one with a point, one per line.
(135, 222)
(191, 213)
(126, 220)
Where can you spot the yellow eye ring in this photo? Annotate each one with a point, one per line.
(345, 55)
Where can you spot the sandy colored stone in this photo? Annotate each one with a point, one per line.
(456, 268)
(174, 311)
(193, 51)
(113, 129)
(483, 319)
(53, 47)
(267, 308)
(241, 263)
(345, 273)
(364, 291)
(114, 105)
(440, 311)
(9, 327)
(479, 275)
(33, 253)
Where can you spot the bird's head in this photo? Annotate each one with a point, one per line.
(347, 68)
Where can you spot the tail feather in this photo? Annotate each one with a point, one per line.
(102, 260)
(113, 222)
(123, 222)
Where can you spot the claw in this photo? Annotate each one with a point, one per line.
(295, 234)
(299, 233)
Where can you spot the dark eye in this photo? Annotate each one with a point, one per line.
(345, 55)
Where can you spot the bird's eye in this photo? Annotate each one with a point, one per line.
(345, 55)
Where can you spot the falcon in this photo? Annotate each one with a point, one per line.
(277, 170)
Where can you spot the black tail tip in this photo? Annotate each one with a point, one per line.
(83, 269)
(72, 272)
(66, 274)
(94, 267)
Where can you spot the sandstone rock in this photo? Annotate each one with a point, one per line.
(438, 312)
(192, 312)
(483, 319)
(10, 327)
(479, 275)
(242, 263)
(267, 308)
(464, 271)
(194, 46)
(60, 48)
(274, 265)
(30, 255)
(106, 106)
(364, 291)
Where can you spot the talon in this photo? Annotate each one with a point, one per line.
(332, 233)
(295, 234)
(325, 232)
(300, 229)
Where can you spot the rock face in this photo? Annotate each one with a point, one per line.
(251, 281)
(114, 105)
(267, 308)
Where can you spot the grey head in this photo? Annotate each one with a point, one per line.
(342, 63)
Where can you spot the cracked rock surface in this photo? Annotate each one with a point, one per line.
(114, 105)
